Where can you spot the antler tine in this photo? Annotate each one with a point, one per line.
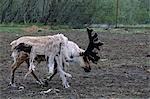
(97, 45)
(94, 36)
(89, 33)
(95, 59)
(95, 39)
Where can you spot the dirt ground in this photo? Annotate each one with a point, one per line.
(122, 71)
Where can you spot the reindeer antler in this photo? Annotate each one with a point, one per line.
(94, 43)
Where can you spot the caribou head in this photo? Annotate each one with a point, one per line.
(91, 54)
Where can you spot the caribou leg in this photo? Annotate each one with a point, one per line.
(33, 74)
(49, 78)
(18, 60)
(55, 71)
(62, 73)
(13, 69)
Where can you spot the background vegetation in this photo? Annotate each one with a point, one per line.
(75, 13)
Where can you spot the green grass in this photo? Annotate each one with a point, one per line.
(144, 26)
(120, 30)
(10, 29)
(18, 28)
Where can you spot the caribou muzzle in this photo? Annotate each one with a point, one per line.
(87, 67)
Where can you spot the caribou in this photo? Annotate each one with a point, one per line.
(58, 52)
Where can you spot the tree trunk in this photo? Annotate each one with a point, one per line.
(5, 10)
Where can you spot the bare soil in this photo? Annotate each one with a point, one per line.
(122, 71)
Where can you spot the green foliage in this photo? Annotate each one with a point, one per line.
(74, 13)
(134, 12)
(104, 11)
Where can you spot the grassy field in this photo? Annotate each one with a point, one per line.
(17, 28)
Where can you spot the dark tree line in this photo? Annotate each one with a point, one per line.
(75, 13)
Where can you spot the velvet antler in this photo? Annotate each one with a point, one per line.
(94, 43)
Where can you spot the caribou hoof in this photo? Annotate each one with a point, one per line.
(42, 83)
(68, 75)
(45, 84)
(12, 85)
(66, 85)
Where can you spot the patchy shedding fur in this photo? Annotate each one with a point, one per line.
(49, 46)
(57, 50)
